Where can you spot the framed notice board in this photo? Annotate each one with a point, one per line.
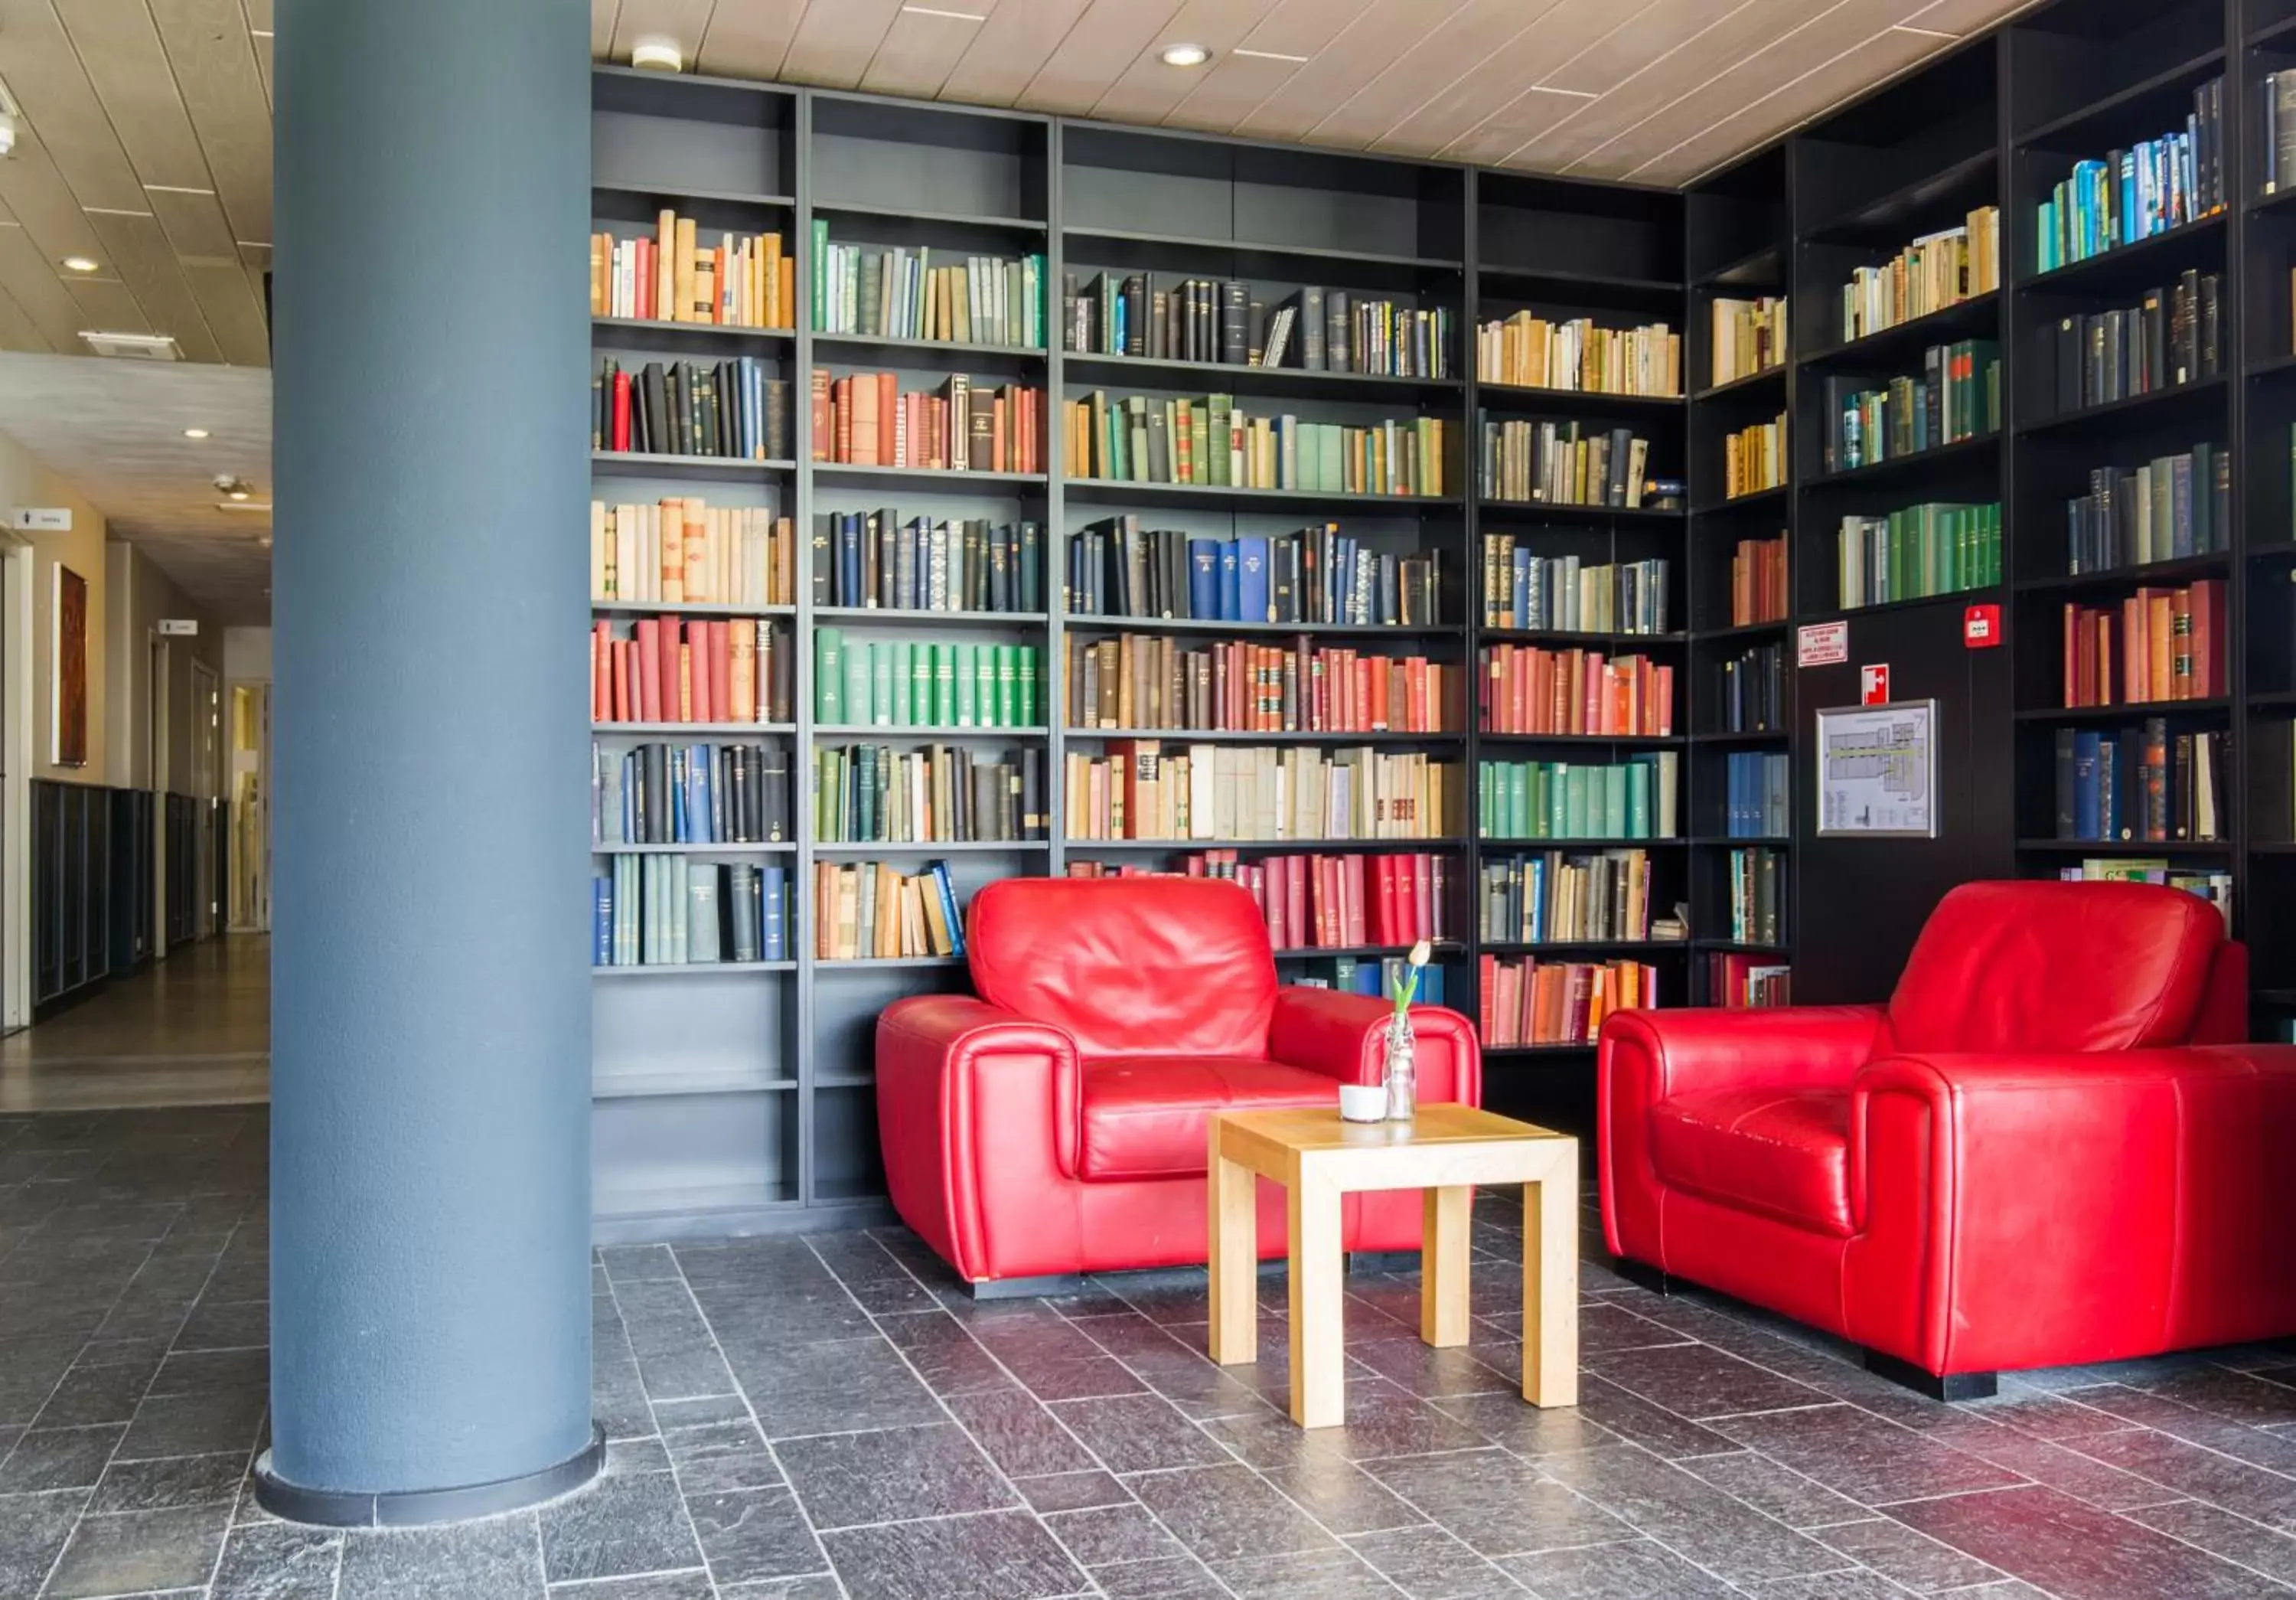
(1877, 770)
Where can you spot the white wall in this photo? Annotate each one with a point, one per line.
(247, 655)
(25, 482)
(140, 595)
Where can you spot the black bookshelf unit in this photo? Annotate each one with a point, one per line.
(747, 1104)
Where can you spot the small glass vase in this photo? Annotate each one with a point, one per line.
(1402, 1076)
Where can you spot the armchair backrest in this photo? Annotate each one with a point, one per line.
(1129, 966)
(2049, 966)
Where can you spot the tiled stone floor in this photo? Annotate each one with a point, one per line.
(810, 1418)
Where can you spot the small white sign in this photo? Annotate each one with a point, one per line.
(1822, 645)
(178, 626)
(41, 519)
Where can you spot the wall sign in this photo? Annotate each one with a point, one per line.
(1874, 684)
(178, 628)
(1877, 770)
(41, 519)
(1822, 645)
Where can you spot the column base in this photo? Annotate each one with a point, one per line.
(414, 1508)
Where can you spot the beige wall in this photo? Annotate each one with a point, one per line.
(25, 482)
(139, 594)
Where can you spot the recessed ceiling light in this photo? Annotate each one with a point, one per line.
(79, 264)
(241, 504)
(240, 494)
(658, 55)
(195, 433)
(1185, 55)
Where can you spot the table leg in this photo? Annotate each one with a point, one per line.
(1234, 1262)
(1550, 1283)
(1443, 1264)
(1318, 1369)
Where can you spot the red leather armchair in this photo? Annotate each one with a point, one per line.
(2024, 1160)
(1059, 1123)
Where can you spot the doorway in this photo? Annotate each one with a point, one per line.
(249, 800)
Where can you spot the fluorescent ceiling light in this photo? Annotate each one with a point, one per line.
(1185, 55)
(262, 505)
(1267, 55)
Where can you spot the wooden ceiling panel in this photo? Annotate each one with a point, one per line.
(30, 280)
(923, 47)
(1640, 40)
(233, 309)
(118, 44)
(1498, 136)
(107, 304)
(601, 27)
(1229, 91)
(836, 40)
(1151, 89)
(749, 38)
(1011, 48)
(213, 59)
(1105, 41)
(1528, 60)
(42, 69)
(1443, 54)
(1961, 16)
(37, 195)
(18, 331)
(1377, 32)
(258, 15)
(262, 42)
(140, 253)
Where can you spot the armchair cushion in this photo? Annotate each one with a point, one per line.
(1148, 1116)
(1783, 1153)
(2040, 968)
(1128, 966)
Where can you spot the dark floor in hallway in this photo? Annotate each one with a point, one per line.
(810, 1418)
(194, 1030)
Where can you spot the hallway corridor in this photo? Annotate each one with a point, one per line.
(194, 1030)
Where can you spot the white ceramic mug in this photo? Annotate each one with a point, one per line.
(1363, 1102)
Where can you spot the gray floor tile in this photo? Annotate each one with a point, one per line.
(1225, 1513)
(2220, 1532)
(658, 1585)
(1652, 1427)
(1107, 1534)
(1428, 1564)
(1908, 1558)
(1309, 1575)
(1863, 1456)
(1340, 1494)
(498, 1559)
(190, 1372)
(1498, 1504)
(103, 1394)
(47, 1459)
(1186, 1579)
(1690, 1516)
(177, 1480)
(845, 1480)
(945, 1355)
(1774, 1490)
(1137, 1433)
(1020, 1434)
(1072, 1491)
(622, 1526)
(2188, 1469)
(273, 1561)
(1699, 1382)
(749, 1535)
(137, 1551)
(214, 1420)
(2075, 1551)
(33, 1531)
(996, 1556)
(1633, 1569)
(804, 1389)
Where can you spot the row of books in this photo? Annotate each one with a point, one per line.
(1919, 550)
(686, 552)
(1116, 568)
(1557, 594)
(2276, 110)
(1522, 689)
(1758, 582)
(1526, 1003)
(1376, 977)
(1750, 691)
(2142, 783)
(1562, 463)
(1151, 681)
(2171, 507)
(2171, 337)
(1315, 902)
(1147, 789)
(1754, 458)
(2158, 645)
(1736, 980)
(2152, 186)
(1208, 441)
(1313, 329)
(1561, 898)
(874, 560)
(1526, 350)
(866, 420)
(691, 670)
(1757, 789)
(893, 292)
(672, 911)
(689, 794)
(2213, 885)
(1749, 337)
(1633, 799)
(900, 683)
(871, 910)
(1935, 271)
(941, 795)
(1956, 396)
(730, 410)
(1757, 882)
(748, 281)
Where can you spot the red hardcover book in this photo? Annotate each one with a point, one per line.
(1351, 901)
(721, 669)
(824, 433)
(625, 666)
(2208, 605)
(620, 438)
(889, 394)
(649, 642)
(1422, 905)
(602, 672)
(1406, 899)
(675, 693)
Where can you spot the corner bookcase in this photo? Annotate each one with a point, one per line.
(739, 1096)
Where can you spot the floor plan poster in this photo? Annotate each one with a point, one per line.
(1877, 770)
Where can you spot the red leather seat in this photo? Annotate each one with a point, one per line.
(2046, 1149)
(1057, 1124)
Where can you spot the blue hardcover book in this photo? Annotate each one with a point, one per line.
(602, 922)
(1203, 578)
(773, 892)
(677, 787)
(947, 889)
(1252, 581)
(848, 559)
(1519, 591)
(1231, 609)
(2088, 816)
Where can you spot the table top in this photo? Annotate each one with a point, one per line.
(1310, 1128)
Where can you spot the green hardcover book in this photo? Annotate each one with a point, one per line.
(680, 900)
(859, 681)
(881, 692)
(1638, 800)
(824, 794)
(1031, 714)
(820, 276)
(1486, 806)
(967, 684)
(1614, 801)
(1535, 800)
(1215, 451)
(828, 675)
(984, 688)
(1200, 442)
(866, 800)
(1008, 686)
(943, 700)
(904, 666)
(1574, 801)
(1331, 460)
(921, 685)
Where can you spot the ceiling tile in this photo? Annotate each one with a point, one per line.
(18, 331)
(233, 310)
(214, 63)
(1961, 16)
(1009, 49)
(44, 72)
(1531, 114)
(1444, 52)
(263, 64)
(834, 43)
(749, 38)
(602, 13)
(37, 195)
(1101, 45)
(194, 224)
(1149, 89)
(1379, 32)
(118, 44)
(1229, 91)
(922, 48)
(30, 279)
(1530, 58)
(139, 253)
(108, 304)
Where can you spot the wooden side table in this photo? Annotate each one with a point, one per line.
(1318, 1158)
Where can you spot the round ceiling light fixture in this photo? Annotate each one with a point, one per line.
(657, 55)
(79, 264)
(195, 433)
(1185, 55)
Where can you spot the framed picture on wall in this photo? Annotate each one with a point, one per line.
(1877, 770)
(68, 717)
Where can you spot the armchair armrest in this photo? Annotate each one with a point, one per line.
(977, 1112)
(1340, 1035)
(1647, 1057)
(2047, 1209)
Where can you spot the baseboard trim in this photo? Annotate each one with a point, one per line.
(416, 1508)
